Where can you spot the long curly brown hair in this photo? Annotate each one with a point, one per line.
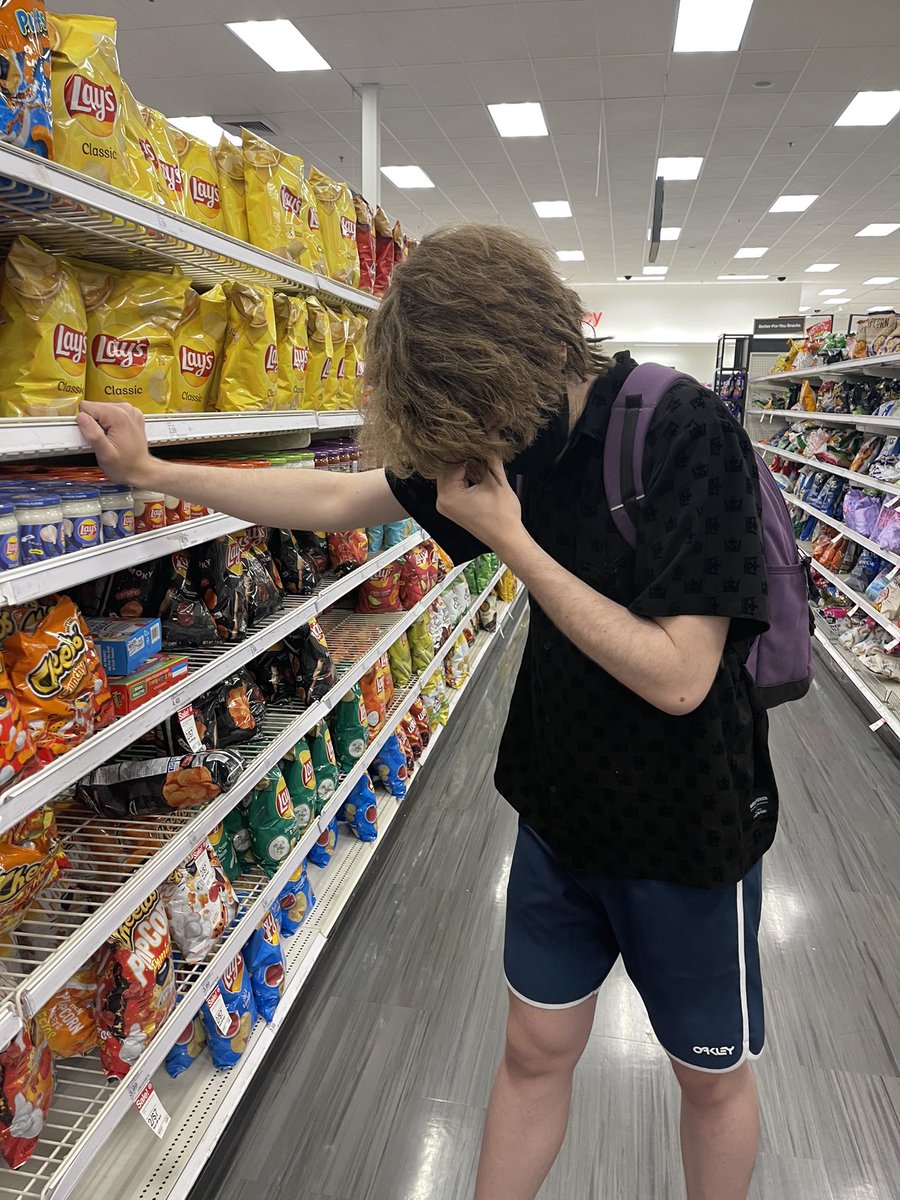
(469, 353)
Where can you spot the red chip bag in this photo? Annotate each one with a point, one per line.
(135, 986)
(415, 576)
(18, 756)
(384, 252)
(347, 550)
(383, 666)
(419, 714)
(413, 736)
(381, 592)
(365, 242)
(405, 745)
(372, 684)
(26, 1090)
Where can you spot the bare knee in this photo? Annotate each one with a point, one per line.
(709, 1089)
(545, 1042)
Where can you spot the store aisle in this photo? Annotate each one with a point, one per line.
(379, 1089)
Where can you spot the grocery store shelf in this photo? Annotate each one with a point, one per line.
(882, 695)
(68, 213)
(878, 365)
(207, 667)
(857, 420)
(863, 481)
(840, 528)
(37, 437)
(857, 599)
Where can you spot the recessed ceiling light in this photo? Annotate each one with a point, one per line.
(823, 267)
(832, 291)
(668, 233)
(204, 128)
(679, 168)
(804, 308)
(879, 280)
(709, 25)
(870, 108)
(751, 251)
(280, 44)
(654, 270)
(793, 203)
(518, 120)
(570, 255)
(552, 208)
(731, 278)
(879, 229)
(407, 177)
(762, 83)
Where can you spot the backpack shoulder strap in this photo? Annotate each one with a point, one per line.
(623, 452)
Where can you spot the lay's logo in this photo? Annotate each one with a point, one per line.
(119, 352)
(69, 343)
(172, 176)
(270, 363)
(84, 98)
(348, 229)
(271, 928)
(306, 772)
(233, 974)
(314, 217)
(204, 193)
(149, 153)
(283, 805)
(291, 203)
(62, 665)
(299, 358)
(197, 364)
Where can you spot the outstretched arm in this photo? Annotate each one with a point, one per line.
(283, 498)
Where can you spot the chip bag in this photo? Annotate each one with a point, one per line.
(186, 620)
(187, 1049)
(415, 576)
(281, 214)
(351, 368)
(221, 841)
(365, 242)
(200, 902)
(456, 664)
(312, 662)
(264, 958)
(229, 1014)
(25, 99)
(27, 1079)
(406, 747)
(337, 221)
(249, 379)
(18, 756)
(347, 550)
(361, 810)
(506, 587)
(151, 785)
(383, 667)
(420, 644)
(400, 659)
(380, 593)
(68, 1020)
(273, 824)
(88, 127)
(232, 190)
(296, 901)
(147, 181)
(333, 380)
(293, 351)
(410, 727)
(31, 858)
(299, 576)
(324, 765)
(351, 728)
(384, 252)
(135, 986)
(199, 340)
(160, 153)
(320, 365)
(419, 714)
(434, 697)
(300, 777)
(389, 768)
(372, 684)
(43, 335)
(323, 851)
(200, 179)
(220, 570)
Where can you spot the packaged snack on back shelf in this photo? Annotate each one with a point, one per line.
(200, 902)
(506, 587)
(360, 811)
(351, 725)
(199, 340)
(249, 377)
(440, 622)
(31, 858)
(323, 851)
(229, 1014)
(273, 672)
(25, 99)
(400, 659)
(315, 547)
(281, 215)
(337, 223)
(365, 242)
(311, 661)
(320, 356)
(384, 252)
(383, 668)
(347, 550)
(200, 179)
(186, 620)
(389, 768)
(397, 532)
(220, 575)
(381, 591)
(232, 190)
(419, 713)
(187, 1049)
(421, 644)
(434, 697)
(136, 986)
(372, 684)
(299, 576)
(375, 538)
(273, 824)
(293, 350)
(406, 747)
(300, 777)
(324, 764)
(415, 576)
(68, 1020)
(487, 615)
(887, 530)
(332, 380)
(296, 901)
(351, 371)
(132, 789)
(160, 154)
(264, 956)
(410, 727)
(27, 1080)
(146, 182)
(125, 646)
(18, 756)
(456, 664)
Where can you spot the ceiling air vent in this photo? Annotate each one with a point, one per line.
(251, 124)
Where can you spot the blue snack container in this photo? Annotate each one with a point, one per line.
(9, 535)
(40, 519)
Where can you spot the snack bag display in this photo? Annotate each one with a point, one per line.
(487, 615)
(186, 620)
(27, 1078)
(380, 593)
(406, 747)
(229, 1014)
(333, 381)
(31, 858)
(420, 644)
(232, 190)
(347, 550)
(249, 379)
(43, 334)
(264, 958)
(315, 547)
(389, 768)
(415, 576)
(383, 667)
(88, 128)
(323, 851)
(68, 1020)
(400, 659)
(410, 727)
(456, 664)
(296, 901)
(384, 252)
(273, 824)
(372, 684)
(351, 369)
(434, 697)
(200, 179)
(187, 1049)
(147, 183)
(135, 986)
(131, 320)
(311, 659)
(351, 728)
(281, 214)
(25, 99)
(337, 222)
(262, 587)
(200, 902)
(220, 575)
(365, 242)
(18, 756)
(320, 356)
(160, 153)
(299, 576)
(221, 841)
(419, 714)
(133, 789)
(324, 764)
(293, 351)
(360, 811)
(300, 777)
(199, 340)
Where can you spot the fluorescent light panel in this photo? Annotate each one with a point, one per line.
(668, 233)
(871, 108)
(879, 229)
(407, 177)
(204, 128)
(822, 267)
(751, 251)
(793, 203)
(280, 44)
(518, 120)
(832, 291)
(733, 278)
(880, 280)
(570, 255)
(552, 208)
(651, 270)
(706, 26)
(679, 168)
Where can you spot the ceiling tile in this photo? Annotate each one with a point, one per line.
(504, 82)
(633, 115)
(567, 78)
(481, 150)
(627, 75)
(552, 30)
(463, 120)
(690, 113)
(441, 83)
(411, 123)
(486, 32)
(700, 74)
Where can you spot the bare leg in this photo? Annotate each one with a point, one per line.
(529, 1108)
(719, 1131)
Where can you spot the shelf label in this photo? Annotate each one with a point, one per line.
(876, 725)
(151, 1109)
(218, 1011)
(188, 724)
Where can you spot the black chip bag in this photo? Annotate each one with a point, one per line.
(273, 672)
(135, 789)
(220, 572)
(186, 620)
(299, 576)
(262, 584)
(239, 707)
(311, 659)
(134, 592)
(314, 546)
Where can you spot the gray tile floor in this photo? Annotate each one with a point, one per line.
(384, 1068)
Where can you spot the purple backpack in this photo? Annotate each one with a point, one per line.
(780, 661)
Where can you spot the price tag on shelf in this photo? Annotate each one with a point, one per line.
(853, 611)
(218, 1011)
(151, 1109)
(837, 537)
(892, 572)
(876, 725)
(188, 724)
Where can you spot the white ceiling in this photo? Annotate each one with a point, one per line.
(614, 97)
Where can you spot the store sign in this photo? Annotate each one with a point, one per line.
(775, 326)
(592, 319)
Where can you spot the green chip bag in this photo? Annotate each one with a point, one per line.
(400, 659)
(238, 833)
(484, 572)
(274, 828)
(421, 644)
(471, 579)
(224, 847)
(351, 729)
(324, 763)
(300, 777)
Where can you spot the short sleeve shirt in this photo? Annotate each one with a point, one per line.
(615, 786)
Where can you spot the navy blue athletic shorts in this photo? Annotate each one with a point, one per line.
(691, 952)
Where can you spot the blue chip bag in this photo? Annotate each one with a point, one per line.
(25, 102)
(296, 901)
(360, 810)
(264, 956)
(187, 1048)
(229, 1014)
(397, 532)
(322, 851)
(390, 769)
(375, 538)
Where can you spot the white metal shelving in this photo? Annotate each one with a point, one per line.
(881, 694)
(889, 424)
(855, 477)
(840, 528)
(878, 365)
(857, 599)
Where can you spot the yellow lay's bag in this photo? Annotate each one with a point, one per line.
(199, 338)
(281, 213)
(166, 160)
(43, 335)
(320, 362)
(293, 350)
(88, 130)
(338, 322)
(337, 221)
(143, 165)
(132, 317)
(249, 376)
(232, 192)
(200, 179)
(350, 374)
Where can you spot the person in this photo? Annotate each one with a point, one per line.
(646, 838)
